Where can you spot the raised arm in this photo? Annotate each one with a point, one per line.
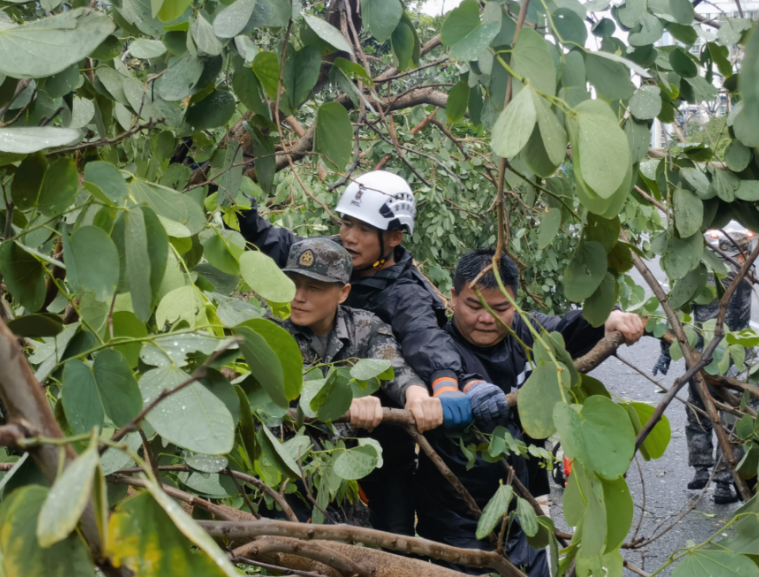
(272, 241)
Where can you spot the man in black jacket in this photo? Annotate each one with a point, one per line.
(377, 208)
(487, 350)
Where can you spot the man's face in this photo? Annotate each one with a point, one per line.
(315, 302)
(361, 241)
(474, 322)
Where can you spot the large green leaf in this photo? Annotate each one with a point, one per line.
(328, 33)
(211, 112)
(263, 275)
(356, 463)
(552, 133)
(711, 563)
(81, 399)
(598, 306)
(50, 45)
(604, 155)
(117, 386)
(333, 399)
(192, 418)
(658, 439)
(585, 272)
(92, 262)
(536, 400)
(23, 275)
(182, 304)
(107, 179)
(59, 187)
(382, 17)
(600, 436)
(22, 554)
(689, 212)
(286, 350)
(28, 139)
(458, 100)
(67, 498)
(334, 135)
(682, 255)
(514, 126)
(550, 223)
(532, 59)
(300, 73)
(645, 104)
(204, 36)
(134, 256)
(234, 18)
(611, 79)
(158, 248)
(180, 78)
(26, 184)
(619, 511)
(278, 454)
(464, 33)
(266, 69)
(264, 364)
(144, 538)
(494, 511)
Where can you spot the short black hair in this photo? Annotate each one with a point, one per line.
(472, 264)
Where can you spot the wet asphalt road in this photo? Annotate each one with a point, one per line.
(665, 480)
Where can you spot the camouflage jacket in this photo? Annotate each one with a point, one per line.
(358, 334)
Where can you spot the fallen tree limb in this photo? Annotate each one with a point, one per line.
(371, 537)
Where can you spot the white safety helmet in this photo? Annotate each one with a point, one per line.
(381, 199)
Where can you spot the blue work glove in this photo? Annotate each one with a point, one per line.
(457, 410)
(489, 406)
(662, 365)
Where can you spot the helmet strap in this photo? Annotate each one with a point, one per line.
(383, 257)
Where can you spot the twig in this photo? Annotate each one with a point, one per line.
(310, 496)
(243, 493)
(382, 80)
(20, 87)
(278, 568)
(106, 141)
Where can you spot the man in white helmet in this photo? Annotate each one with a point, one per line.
(377, 208)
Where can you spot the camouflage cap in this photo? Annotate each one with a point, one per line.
(321, 259)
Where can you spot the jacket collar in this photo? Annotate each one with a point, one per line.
(339, 337)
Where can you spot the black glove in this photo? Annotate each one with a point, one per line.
(662, 365)
(489, 406)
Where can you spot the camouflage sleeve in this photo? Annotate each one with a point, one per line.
(382, 345)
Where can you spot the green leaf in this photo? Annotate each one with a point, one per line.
(585, 272)
(278, 454)
(682, 63)
(458, 100)
(658, 439)
(47, 46)
(697, 180)
(737, 156)
(22, 554)
(611, 79)
(233, 19)
(682, 255)
(403, 42)
(264, 364)
(550, 223)
(552, 133)
(263, 275)
(126, 324)
(601, 436)
(464, 33)
(182, 304)
(620, 257)
(145, 48)
(211, 112)
(689, 212)
(599, 305)
(23, 275)
(619, 511)
(266, 69)
(366, 369)
(26, 184)
(67, 498)
(532, 59)
(494, 511)
(301, 73)
(248, 91)
(172, 9)
(247, 426)
(536, 400)
(81, 398)
(604, 154)
(645, 104)
(204, 36)
(328, 33)
(134, 257)
(192, 418)
(382, 17)
(334, 135)
(181, 77)
(117, 386)
(158, 248)
(647, 32)
(36, 325)
(59, 187)
(29, 139)
(527, 517)
(514, 126)
(108, 180)
(571, 26)
(709, 563)
(92, 262)
(286, 350)
(602, 230)
(334, 398)
(355, 463)
(151, 535)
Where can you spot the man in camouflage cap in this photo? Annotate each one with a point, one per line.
(328, 332)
